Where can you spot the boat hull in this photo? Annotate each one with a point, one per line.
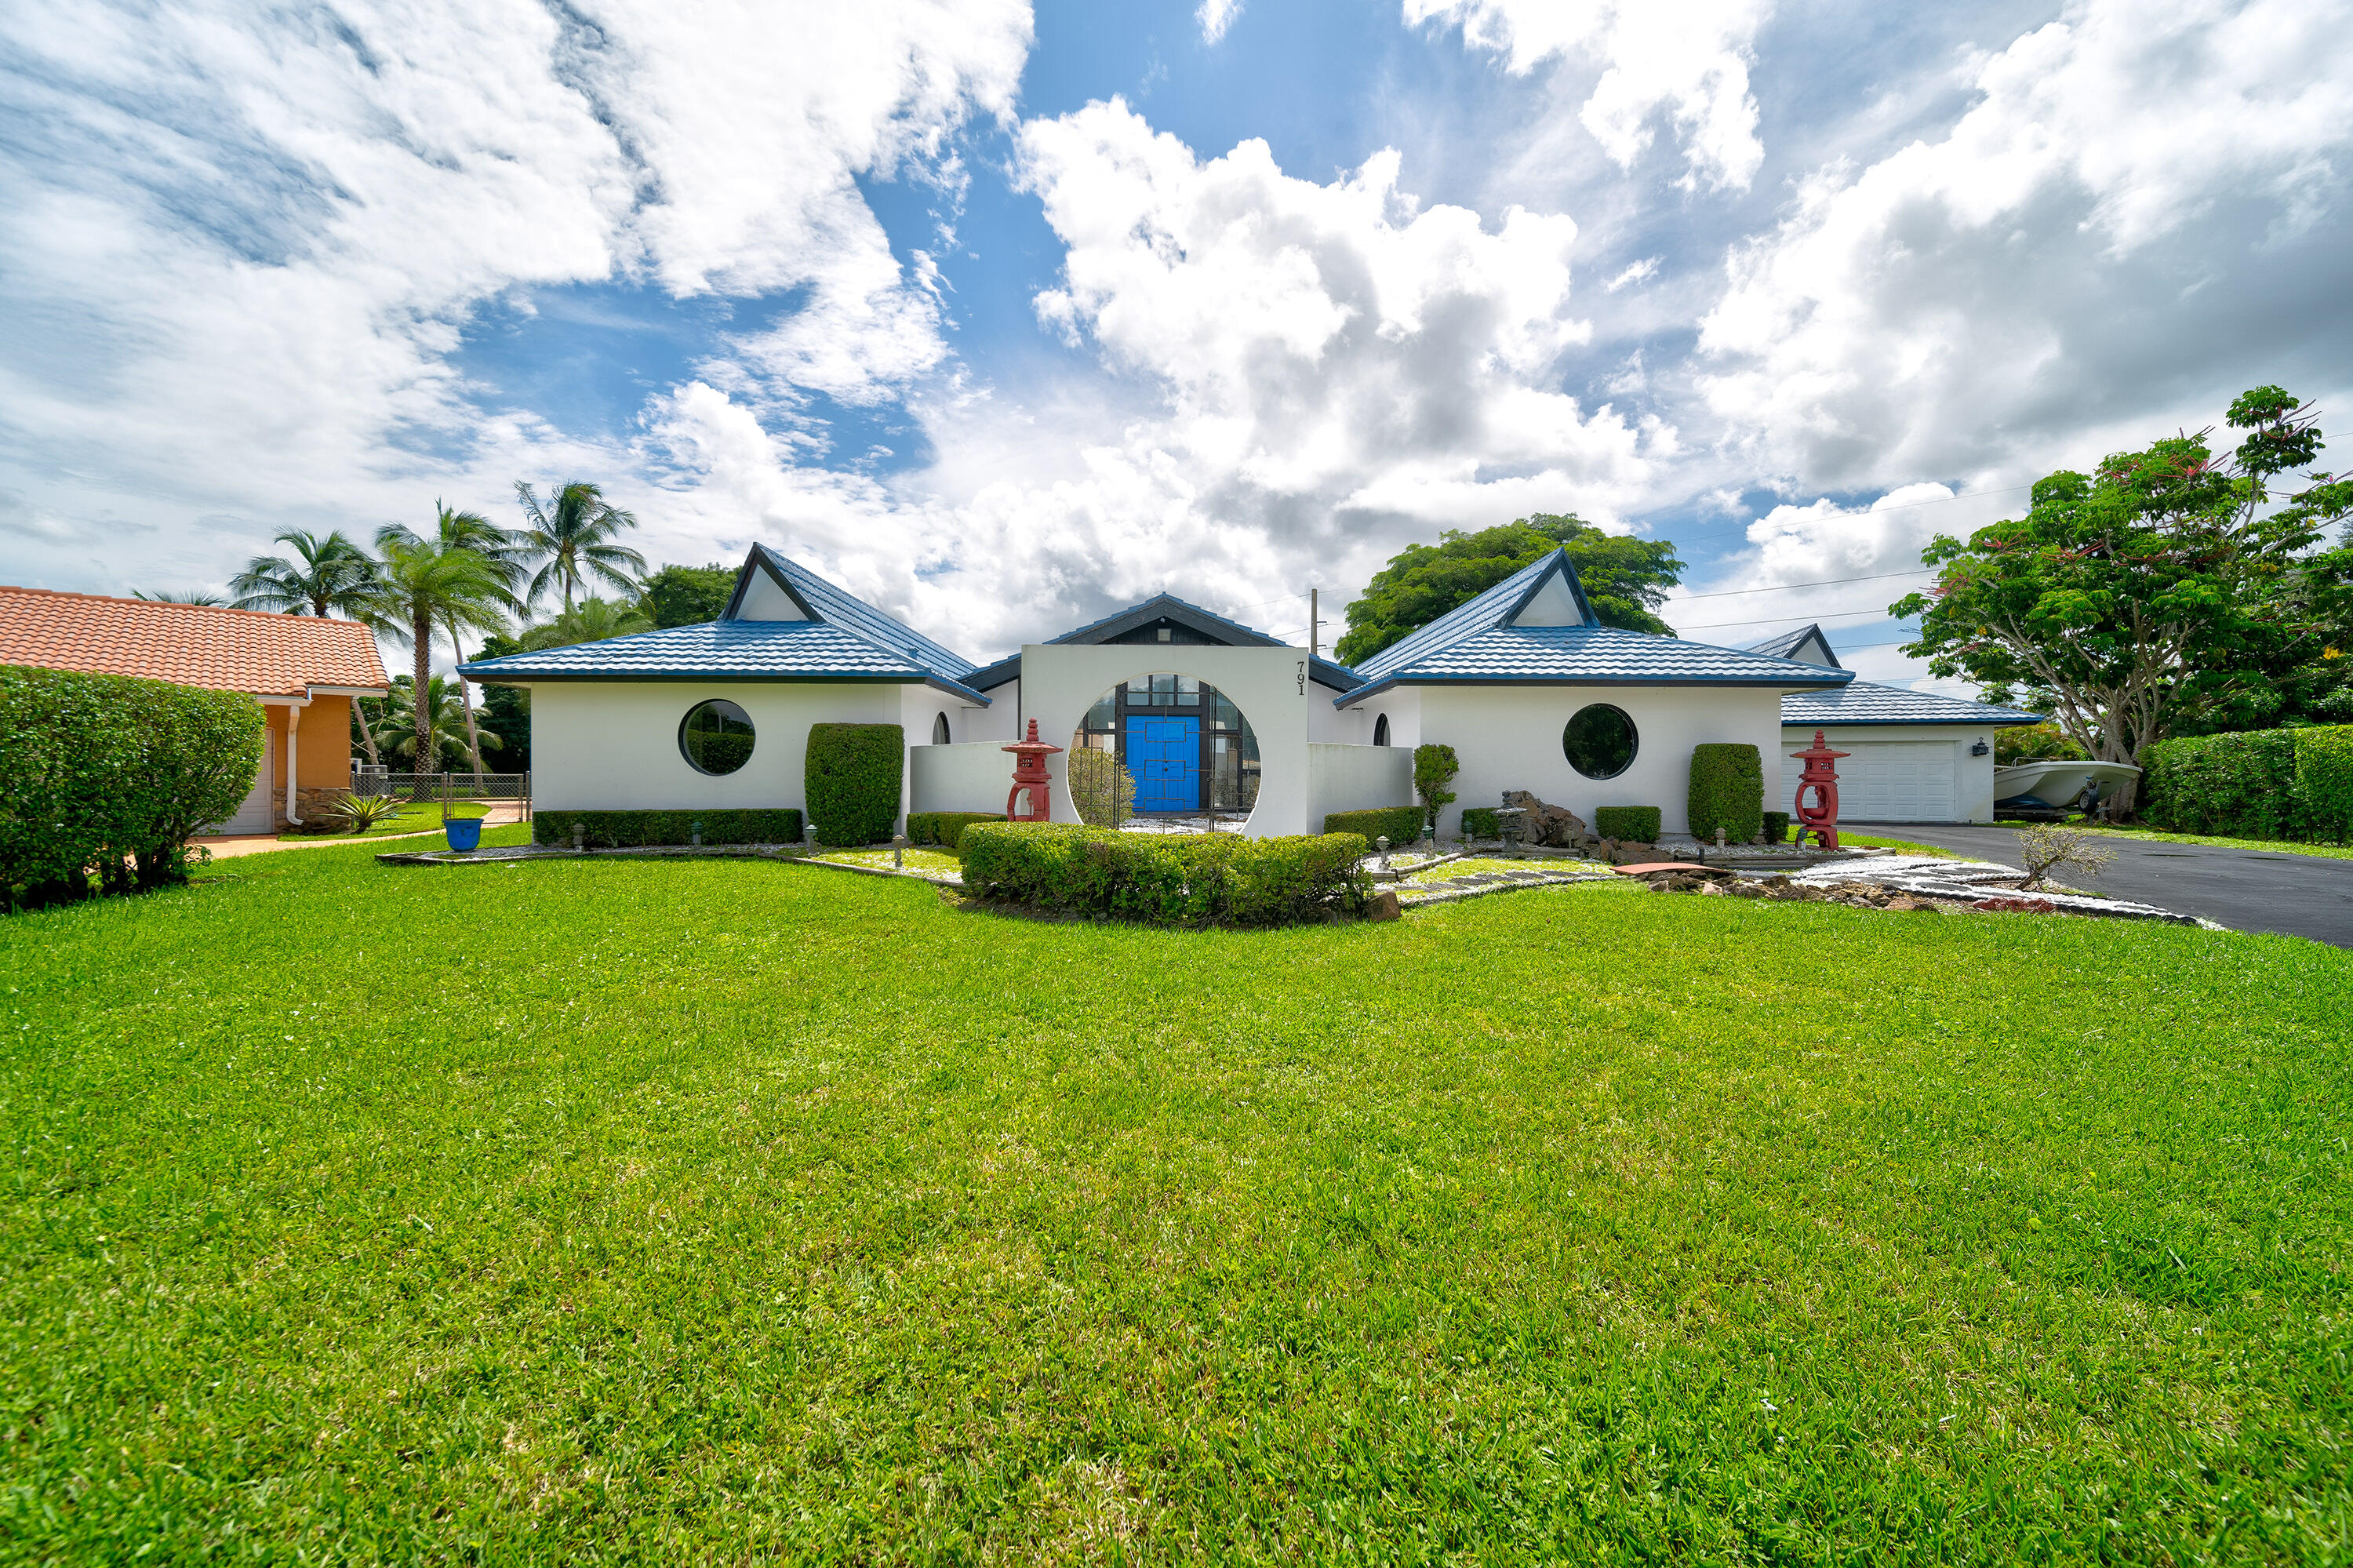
(2052, 785)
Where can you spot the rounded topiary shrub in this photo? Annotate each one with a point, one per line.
(1727, 791)
(851, 781)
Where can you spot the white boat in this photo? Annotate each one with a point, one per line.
(2056, 783)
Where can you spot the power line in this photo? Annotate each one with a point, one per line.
(1777, 620)
(1826, 582)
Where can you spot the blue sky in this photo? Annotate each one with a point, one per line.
(1005, 316)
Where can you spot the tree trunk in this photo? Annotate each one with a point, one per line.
(367, 732)
(421, 711)
(466, 697)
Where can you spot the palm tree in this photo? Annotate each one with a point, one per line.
(504, 552)
(440, 731)
(590, 621)
(422, 585)
(574, 534)
(326, 576)
(177, 596)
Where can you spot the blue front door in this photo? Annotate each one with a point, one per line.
(1164, 756)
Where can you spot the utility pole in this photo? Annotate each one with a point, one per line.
(1315, 629)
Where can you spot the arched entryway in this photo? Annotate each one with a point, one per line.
(1186, 746)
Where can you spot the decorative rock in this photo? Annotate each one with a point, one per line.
(1384, 907)
(1555, 827)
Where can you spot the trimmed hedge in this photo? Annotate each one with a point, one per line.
(637, 829)
(945, 828)
(851, 778)
(1399, 825)
(1727, 791)
(113, 774)
(2253, 784)
(1169, 879)
(1481, 822)
(1628, 824)
(2323, 780)
(1777, 827)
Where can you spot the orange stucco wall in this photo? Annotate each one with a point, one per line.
(322, 754)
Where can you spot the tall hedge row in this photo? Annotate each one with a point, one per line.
(109, 775)
(851, 777)
(1167, 878)
(635, 828)
(1727, 791)
(2253, 784)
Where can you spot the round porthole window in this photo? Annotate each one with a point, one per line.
(715, 736)
(1599, 741)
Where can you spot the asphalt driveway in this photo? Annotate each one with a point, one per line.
(2247, 890)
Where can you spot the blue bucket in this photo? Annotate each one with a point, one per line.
(465, 833)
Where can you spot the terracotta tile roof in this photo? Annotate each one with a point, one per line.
(192, 644)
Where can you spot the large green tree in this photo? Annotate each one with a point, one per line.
(423, 585)
(590, 621)
(686, 596)
(320, 576)
(1626, 580)
(573, 538)
(504, 554)
(2166, 581)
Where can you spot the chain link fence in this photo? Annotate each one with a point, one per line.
(488, 789)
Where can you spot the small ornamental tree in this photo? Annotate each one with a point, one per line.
(1434, 767)
(1102, 787)
(2166, 579)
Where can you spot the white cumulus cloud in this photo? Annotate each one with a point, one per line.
(2137, 208)
(1687, 63)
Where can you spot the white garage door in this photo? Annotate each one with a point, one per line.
(1885, 780)
(255, 816)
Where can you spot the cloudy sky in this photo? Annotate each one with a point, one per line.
(1005, 315)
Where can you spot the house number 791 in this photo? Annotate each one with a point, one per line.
(1303, 677)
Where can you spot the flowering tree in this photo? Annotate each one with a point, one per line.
(2157, 580)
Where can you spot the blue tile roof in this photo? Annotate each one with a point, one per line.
(849, 640)
(1475, 643)
(1167, 606)
(1788, 643)
(1866, 703)
(845, 610)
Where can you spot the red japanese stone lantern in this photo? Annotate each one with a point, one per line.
(1820, 818)
(1030, 773)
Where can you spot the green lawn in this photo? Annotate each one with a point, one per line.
(1902, 847)
(2281, 846)
(609, 1210)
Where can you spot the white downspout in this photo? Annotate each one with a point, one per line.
(293, 723)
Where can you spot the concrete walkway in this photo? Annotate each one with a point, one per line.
(2247, 890)
(227, 846)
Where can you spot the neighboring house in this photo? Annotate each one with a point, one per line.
(1914, 756)
(1208, 715)
(304, 671)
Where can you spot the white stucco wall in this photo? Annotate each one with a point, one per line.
(1403, 707)
(1328, 725)
(613, 747)
(971, 776)
(1355, 779)
(1060, 681)
(1000, 722)
(1972, 776)
(1508, 737)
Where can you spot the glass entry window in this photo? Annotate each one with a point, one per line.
(1187, 747)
